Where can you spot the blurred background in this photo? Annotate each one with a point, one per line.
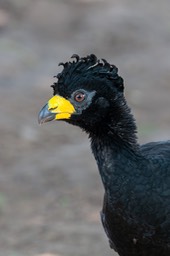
(50, 190)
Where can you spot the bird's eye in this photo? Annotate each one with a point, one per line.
(79, 96)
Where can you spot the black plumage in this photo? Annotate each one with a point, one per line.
(136, 179)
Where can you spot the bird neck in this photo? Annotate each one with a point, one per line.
(116, 150)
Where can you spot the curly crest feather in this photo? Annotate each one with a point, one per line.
(89, 66)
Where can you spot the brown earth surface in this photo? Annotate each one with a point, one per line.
(50, 189)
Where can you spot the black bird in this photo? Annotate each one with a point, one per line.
(136, 179)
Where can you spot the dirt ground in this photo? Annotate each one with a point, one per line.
(50, 189)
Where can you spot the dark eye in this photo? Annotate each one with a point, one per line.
(79, 96)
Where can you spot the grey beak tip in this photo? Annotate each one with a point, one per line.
(45, 115)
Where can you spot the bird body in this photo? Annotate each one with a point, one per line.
(135, 211)
(136, 179)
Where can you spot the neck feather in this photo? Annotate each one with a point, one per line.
(118, 127)
(115, 148)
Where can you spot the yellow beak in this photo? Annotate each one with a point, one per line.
(57, 108)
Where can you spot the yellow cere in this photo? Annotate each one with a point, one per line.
(61, 106)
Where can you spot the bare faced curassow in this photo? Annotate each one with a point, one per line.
(89, 93)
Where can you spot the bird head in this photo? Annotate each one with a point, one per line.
(85, 93)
